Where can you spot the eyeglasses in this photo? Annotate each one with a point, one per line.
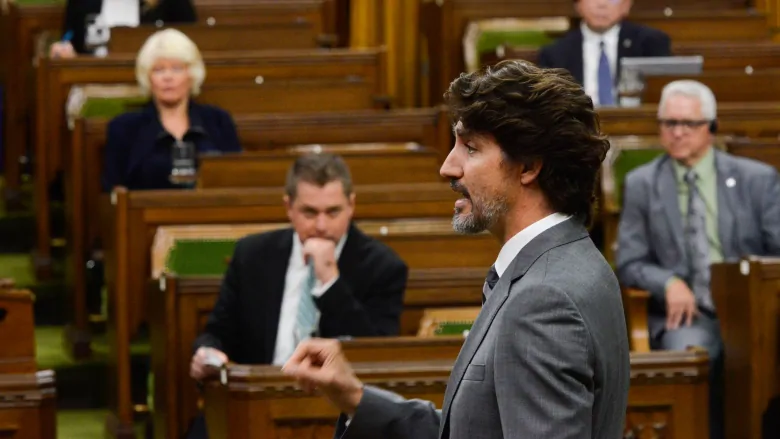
(687, 125)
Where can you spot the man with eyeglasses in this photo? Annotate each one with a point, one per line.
(691, 207)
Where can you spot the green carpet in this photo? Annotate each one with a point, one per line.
(85, 424)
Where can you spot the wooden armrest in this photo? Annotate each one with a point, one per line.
(635, 304)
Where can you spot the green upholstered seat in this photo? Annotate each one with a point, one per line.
(628, 161)
(485, 36)
(452, 328)
(205, 257)
(38, 2)
(110, 107)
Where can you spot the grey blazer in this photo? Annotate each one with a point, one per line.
(650, 234)
(547, 357)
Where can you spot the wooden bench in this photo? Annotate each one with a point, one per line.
(353, 73)
(728, 85)
(29, 396)
(428, 126)
(717, 54)
(259, 401)
(369, 163)
(746, 296)
(444, 23)
(259, 36)
(25, 22)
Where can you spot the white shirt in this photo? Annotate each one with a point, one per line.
(515, 244)
(121, 13)
(591, 53)
(293, 285)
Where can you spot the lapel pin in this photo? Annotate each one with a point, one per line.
(730, 182)
(626, 43)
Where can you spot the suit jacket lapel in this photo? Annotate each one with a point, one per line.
(477, 333)
(563, 233)
(272, 290)
(727, 194)
(625, 46)
(666, 187)
(349, 259)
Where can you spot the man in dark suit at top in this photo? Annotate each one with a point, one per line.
(593, 51)
(321, 275)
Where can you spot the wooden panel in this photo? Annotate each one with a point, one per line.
(717, 54)
(765, 151)
(23, 24)
(746, 296)
(368, 163)
(443, 25)
(248, 12)
(179, 307)
(17, 332)
(28, 407)
(731, 85)
(260, 402)
(277, 36)
(355, 71)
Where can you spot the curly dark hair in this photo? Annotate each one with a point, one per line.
(537, 114)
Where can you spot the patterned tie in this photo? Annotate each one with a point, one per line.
(605, 79)
(490, 282)
(698, 244)
(306, 321)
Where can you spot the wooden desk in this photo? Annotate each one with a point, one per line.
(763, 150)
(302, 34)
(369, 163)
(746, 296)
(717, 54)
(668, 395)
(346, 74)
(27, 396)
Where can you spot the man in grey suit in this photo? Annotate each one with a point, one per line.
(693, 206)
(548, 355)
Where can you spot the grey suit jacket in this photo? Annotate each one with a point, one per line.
(651, 248)
(547, 357)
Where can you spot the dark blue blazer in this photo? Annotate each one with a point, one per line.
(138, 149)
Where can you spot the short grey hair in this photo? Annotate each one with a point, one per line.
(172, 44)
(694, 89)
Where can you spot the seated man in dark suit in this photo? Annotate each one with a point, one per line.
(157, 147)
(358, 286)
(592, 52)
(691, 207)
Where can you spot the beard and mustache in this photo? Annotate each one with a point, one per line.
(485, 210)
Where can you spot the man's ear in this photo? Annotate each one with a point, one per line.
(287, 203)
(530, 171)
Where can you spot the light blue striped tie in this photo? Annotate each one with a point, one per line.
(605, 80)
(306, 321)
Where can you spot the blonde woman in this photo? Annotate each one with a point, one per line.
(144, 148)
(86, 21)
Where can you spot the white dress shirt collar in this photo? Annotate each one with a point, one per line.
(512, 248)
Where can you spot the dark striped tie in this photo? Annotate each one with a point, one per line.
(697, 243)
(490, 283)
